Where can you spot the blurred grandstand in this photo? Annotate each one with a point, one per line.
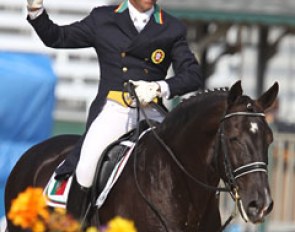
(234, 39)
(77, 70)
(230, 46)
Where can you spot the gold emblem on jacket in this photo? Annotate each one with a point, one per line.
(158, 56)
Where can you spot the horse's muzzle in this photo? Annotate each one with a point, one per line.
(258, 209)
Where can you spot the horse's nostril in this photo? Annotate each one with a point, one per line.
(252, 209)
(256, 212)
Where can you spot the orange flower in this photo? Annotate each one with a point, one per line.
(29, 210)
(119, 224)
(60, 221)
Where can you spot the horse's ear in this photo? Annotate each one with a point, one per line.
(267, 99)
(234, 92)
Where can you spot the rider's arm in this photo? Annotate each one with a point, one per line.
(187, 73)
(79, 34)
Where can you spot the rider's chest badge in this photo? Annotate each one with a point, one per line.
(158, 56)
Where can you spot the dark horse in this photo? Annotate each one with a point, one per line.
(214, 135)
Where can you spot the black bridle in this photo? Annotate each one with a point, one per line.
(231, 175)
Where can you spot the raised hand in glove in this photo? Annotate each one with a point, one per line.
(34, 4)
(146, 91)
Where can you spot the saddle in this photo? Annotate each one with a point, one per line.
(109, 167)
(114, 153)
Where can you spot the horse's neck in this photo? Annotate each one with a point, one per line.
(191, 134)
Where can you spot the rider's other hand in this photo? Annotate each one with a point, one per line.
(34, 4)
(146, 91)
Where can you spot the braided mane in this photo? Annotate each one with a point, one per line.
(200, 95)
(194, 105)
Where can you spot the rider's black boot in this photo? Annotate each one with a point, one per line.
(78, 200)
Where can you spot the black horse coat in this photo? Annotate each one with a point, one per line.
(124, 54)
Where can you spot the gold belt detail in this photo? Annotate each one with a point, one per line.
(117, 96)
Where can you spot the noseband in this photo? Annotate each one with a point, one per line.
(248, 168)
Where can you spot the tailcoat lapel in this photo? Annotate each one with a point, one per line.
(151, 30)
(125, 24)
(154, 27)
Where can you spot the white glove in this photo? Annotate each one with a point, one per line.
(146, 91)
(35, 4)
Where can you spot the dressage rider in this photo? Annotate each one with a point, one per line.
(135, 40)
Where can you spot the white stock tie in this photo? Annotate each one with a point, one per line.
(140, 23)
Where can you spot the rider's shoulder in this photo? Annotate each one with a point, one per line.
(173, 21)
(104, 9)
(102, 13)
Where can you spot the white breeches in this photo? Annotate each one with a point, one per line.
(113, 121)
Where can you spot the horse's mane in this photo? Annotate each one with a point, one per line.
(202, 95)
(192, 105)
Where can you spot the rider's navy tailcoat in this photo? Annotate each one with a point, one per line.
(124, 54)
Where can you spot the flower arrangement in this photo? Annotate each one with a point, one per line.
(29, 211)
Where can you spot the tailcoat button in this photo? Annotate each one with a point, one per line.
(124, 69)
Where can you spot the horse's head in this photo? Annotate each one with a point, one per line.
(245, 137)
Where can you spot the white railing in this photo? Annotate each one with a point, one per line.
(282, 180)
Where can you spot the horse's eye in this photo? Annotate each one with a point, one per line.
(249, 107)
